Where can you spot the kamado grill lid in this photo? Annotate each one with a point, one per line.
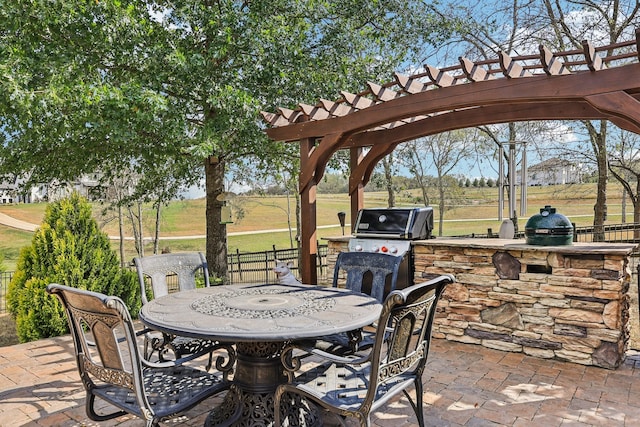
(549, 228)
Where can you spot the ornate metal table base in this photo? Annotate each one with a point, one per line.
(249, 402)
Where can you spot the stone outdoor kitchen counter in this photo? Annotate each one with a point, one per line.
(564, 302)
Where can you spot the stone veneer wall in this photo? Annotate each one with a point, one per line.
(563, 302)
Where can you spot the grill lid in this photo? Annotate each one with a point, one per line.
(395, 223)
(549, 228)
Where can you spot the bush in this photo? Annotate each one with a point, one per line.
(68, 249)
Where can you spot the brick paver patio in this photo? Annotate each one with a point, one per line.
(465, 385)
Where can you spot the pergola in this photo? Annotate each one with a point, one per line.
(582, 84)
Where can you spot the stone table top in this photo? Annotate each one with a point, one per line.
(259, 312)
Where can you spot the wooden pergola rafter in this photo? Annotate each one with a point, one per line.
(582, 84)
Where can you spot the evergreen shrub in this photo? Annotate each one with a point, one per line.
(69, 249)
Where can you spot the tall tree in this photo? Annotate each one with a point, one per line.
(106, 84)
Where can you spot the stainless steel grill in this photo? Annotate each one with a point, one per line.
(390, 231)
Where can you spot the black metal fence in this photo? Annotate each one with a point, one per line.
(621, 233)
(254, 267)
(5, 278)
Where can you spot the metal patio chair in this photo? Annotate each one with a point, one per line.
(371, 273)
(112, 369)
(183, 268)
(375, 274)
(355, 386)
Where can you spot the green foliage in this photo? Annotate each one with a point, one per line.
(68, 249)
(161, 86)
(333, 183)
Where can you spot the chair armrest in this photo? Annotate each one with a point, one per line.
(143, 331)
(293, 355)
(224, 364)
(176, 362)
(354, 359)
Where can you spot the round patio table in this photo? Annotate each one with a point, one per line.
(260, 320)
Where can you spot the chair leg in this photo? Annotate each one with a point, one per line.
(92, 414)
(146, 353)
(277, 419)
(418, 408)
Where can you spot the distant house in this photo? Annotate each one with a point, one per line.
(553, 172)
(87, 186)
(15, 191)
(7, 192)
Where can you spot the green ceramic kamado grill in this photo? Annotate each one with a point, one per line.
(548, 228)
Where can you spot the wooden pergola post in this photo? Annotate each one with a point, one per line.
(308, 223)
(356, 195)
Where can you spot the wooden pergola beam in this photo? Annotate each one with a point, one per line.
(538, 89)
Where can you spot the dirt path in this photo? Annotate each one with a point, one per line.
(27, 226)
(16, 223)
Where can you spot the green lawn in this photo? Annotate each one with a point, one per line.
(477, 213)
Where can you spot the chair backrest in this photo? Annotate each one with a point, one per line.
(184, 265)
(375, 274)
(104, 339)
(403, 332)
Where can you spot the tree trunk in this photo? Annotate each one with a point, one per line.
(623, 218)
(441, 205)
(121, 233)
(137, 236)
(140, 228)
(388, 178)
(598, 141)
(156, 237)
(216, 246)
(289, 220)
